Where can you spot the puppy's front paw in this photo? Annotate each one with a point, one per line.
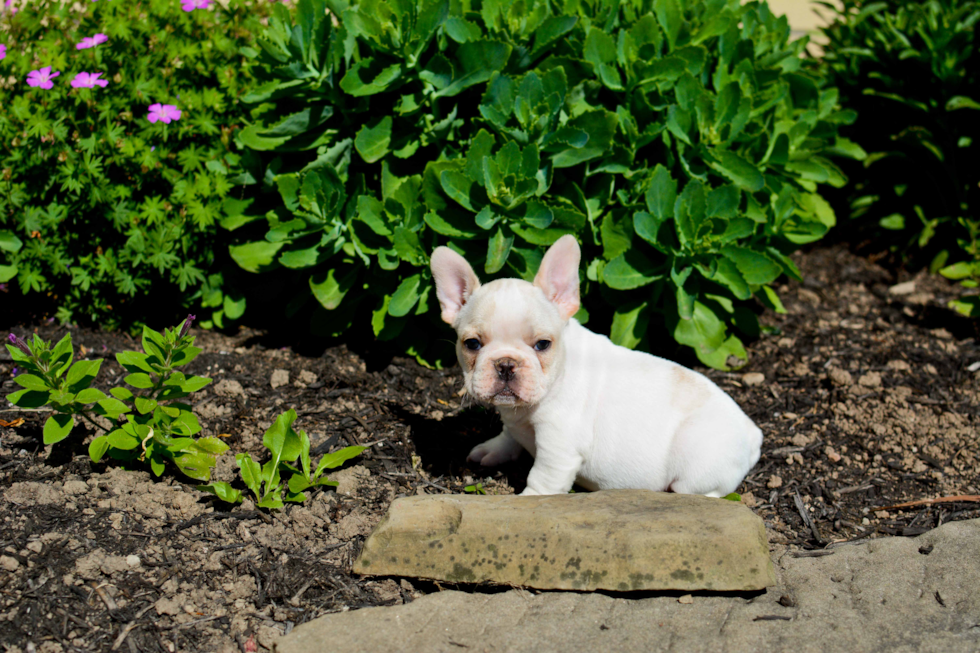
(496, 451)
(528, 492)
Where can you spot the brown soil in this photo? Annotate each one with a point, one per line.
(867, 400)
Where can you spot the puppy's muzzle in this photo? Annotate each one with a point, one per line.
(505, 369)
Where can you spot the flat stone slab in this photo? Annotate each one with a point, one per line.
(620, 540)
(893, 595)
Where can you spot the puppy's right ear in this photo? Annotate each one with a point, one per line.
(455, 281)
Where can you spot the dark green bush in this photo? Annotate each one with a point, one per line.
(911, 69)
(110, 216)
(681, 142)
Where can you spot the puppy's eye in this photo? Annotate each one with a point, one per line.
(472, 344)
(542, 345)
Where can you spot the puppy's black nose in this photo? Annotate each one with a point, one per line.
(505, 368)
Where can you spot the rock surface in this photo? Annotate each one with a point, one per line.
(895, 594)
(615, 540)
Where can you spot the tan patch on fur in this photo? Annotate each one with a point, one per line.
(689, 392)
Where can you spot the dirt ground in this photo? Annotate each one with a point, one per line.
(867, 393)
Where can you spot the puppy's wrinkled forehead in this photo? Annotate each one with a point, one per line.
(509, 308)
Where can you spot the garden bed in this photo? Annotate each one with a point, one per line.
(867, 400)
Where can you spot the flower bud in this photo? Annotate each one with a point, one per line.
(187, 325)
(19, 344)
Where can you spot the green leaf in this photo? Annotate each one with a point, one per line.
(32, 382)
(728, 275)
(120, 439)
(281, 439)
(957, 271)
(97, 448)
(372, 141)
(121, 393)
(7, 272)
(133, 361)
(112, 407)
(739, 170)
(251, 473)
(366, 77)
(330, 291)
(213, 446)
(145, 405)
(405, 297)
(253, 257)
(223, 491)
(194, 383)
(629, 270)
(661, 194)
(720, 357)
(756, 267)
(82, 373)
(271, 502)
(336, 459)
(297, 483)
(90, 396)
(498, 250)
(629, 324)
(29, 398)
(961, 102)
(139, 380)
(670, 17)
(704, 331)
(195, 465)
(57, 427)
(9, 242)
(771, 300)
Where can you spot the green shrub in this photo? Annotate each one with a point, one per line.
(107, 214)
(911, 69)
(681, 142)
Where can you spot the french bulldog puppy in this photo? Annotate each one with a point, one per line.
(586, 409)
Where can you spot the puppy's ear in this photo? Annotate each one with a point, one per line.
(558, 275)
(455, 281)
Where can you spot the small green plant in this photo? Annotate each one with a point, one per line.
(967, 272)
(266, 481)
(158, 427)
(476, 488)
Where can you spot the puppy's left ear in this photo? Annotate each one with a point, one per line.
(558, 275)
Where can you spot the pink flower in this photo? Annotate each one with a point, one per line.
(41, 77)
(191, 5)
(91, 41)
(164, 112)
(88, 80)
(3, 50)
(12, 10)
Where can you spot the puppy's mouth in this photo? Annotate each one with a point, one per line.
(505, 396)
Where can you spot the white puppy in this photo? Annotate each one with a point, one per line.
(586, 409)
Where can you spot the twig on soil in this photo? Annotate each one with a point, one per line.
(818, 553)
(108, 600)
(294, 601)
(128, 627)
(806, 517)
(964, 498)
(190, 623)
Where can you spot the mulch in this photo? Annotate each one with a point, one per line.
(867, 394)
